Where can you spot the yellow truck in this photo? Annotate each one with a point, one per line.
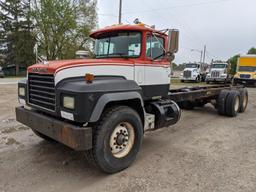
(246, 70)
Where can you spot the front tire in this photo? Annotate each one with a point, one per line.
(116, 139)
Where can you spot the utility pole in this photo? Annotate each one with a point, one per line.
(204, 54)
(120, 12)
(201, 56)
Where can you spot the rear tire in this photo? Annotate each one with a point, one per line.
(233, 103)
(222, 102)
(243, 100)
(117, 139)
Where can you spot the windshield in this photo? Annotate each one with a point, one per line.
(191, 65)
(247, 68)
(218, 66)
(118, 44)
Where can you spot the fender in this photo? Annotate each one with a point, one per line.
(91, 98)
(112, 97)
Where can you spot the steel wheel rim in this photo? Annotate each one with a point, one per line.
(237, 103)
(122, 139)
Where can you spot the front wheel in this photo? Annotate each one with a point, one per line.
(116, 140)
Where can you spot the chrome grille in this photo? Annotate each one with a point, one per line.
(187, 74)
(41, 90)
(215, 74)
(245, 76)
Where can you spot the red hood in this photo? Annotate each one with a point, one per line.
(53, 66)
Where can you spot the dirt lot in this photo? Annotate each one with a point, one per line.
(203, 152)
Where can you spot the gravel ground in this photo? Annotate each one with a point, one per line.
(203, 152)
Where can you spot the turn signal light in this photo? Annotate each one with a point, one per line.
(89, 77)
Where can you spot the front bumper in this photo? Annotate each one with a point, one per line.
(245, 81)
(75, 137)
(188, 79)
(209, 79)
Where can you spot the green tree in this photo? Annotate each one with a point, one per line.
(63, 26)
(233, 61)
(252, 50)
(16, 38)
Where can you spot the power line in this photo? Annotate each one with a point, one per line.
(187, 32)
(178, 6)
(107, 15)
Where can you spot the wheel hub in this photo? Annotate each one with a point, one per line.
(122, 140)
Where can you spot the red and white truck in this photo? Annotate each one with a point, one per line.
(103, 106)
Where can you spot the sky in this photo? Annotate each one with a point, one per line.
(226, 27)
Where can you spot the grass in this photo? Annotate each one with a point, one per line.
(177, 82)
(16, 77)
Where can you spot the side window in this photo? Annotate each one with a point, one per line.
(148, 46)
(154, 47)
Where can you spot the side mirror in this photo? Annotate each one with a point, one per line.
(173, 41)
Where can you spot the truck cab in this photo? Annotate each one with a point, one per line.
(103, 105)
(192, 72)
(219, 72)
(246, 70)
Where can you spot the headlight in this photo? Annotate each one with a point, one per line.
(69, 102)
(223, 75)
(22, 91)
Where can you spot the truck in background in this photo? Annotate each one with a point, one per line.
(219, 72)
(193, 72)
(246, 70)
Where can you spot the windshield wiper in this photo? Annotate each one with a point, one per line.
(122, 55)
(157, 57)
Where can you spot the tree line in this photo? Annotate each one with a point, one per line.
(50, 29)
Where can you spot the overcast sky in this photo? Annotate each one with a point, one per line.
(227, 27)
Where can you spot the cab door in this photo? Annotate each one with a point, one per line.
(157, 68)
